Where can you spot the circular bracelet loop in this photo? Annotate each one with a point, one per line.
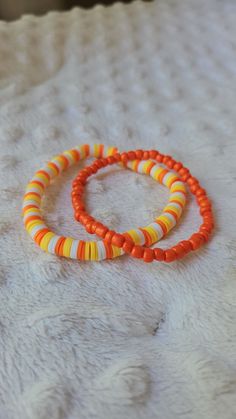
(33, 220)
(128, 243)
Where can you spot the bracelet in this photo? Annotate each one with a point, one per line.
(151, 233)
(127, 243)
(33, 220)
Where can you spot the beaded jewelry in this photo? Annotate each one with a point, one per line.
(127, 242)
(68, 246)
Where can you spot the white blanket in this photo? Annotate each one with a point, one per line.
(119, 339)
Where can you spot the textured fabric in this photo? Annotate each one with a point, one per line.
(119, 339)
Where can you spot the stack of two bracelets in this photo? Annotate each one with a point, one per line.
(135, 242)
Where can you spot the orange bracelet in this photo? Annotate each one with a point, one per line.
(126, 243)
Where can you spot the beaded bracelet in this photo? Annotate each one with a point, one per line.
(127, 243)
(151, 233)
(34, 224)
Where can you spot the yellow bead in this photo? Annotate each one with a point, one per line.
(96, 150)
(93, 251)
(32, 224)
(87, 251)
(35, 185)
(135, 236)
(152, 233)
(45, 240)
(177, 211)
(111, 151)
(158, 172)
(146, 166)
(115, 251)
(42, 177)
(166, 221)
(170, 180)
(67, 246)
(32, 197)
(179, 187)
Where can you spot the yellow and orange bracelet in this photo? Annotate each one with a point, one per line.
(136, 242)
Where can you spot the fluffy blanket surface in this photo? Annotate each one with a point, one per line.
(119, 339)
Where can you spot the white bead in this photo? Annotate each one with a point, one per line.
(52, 244)
(30, 202)
(141, 236)
(74, 249)
(170, 217)
(154, 170)
(36, 229)
(101, 250)
(157, 229)
(166, 178)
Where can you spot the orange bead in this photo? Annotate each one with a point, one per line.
(79, 207)
(77, 215)
(205, 203)
(196, 240)
(179, 250)
(200, 192)
(93, 227)
(194, 188)
(128, 246)
(208, 215)
(111, 160)
(81, 180)
(186, 245)
(59, 244)
(104, 161)
(109, 235)
(131, 155)
(166, 159)
(170, 163)
(146, 155)
(94, 169)
(118, 240)
(101, 230)
(185, 177)
(39, 236)
(139, 154)
(204, 234)
(183, 171)
(177, 166)
(170, 255)
(148, 255)
(98, 164)
(78, 188)
(159, 254)
(192, 181)
(153, 154)
(203, 210)
(85, 218)
(137, 252)
(206, 227)
(117, 157)
(89, 226)
(124, 157)
(74, 183)
(159, 158)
